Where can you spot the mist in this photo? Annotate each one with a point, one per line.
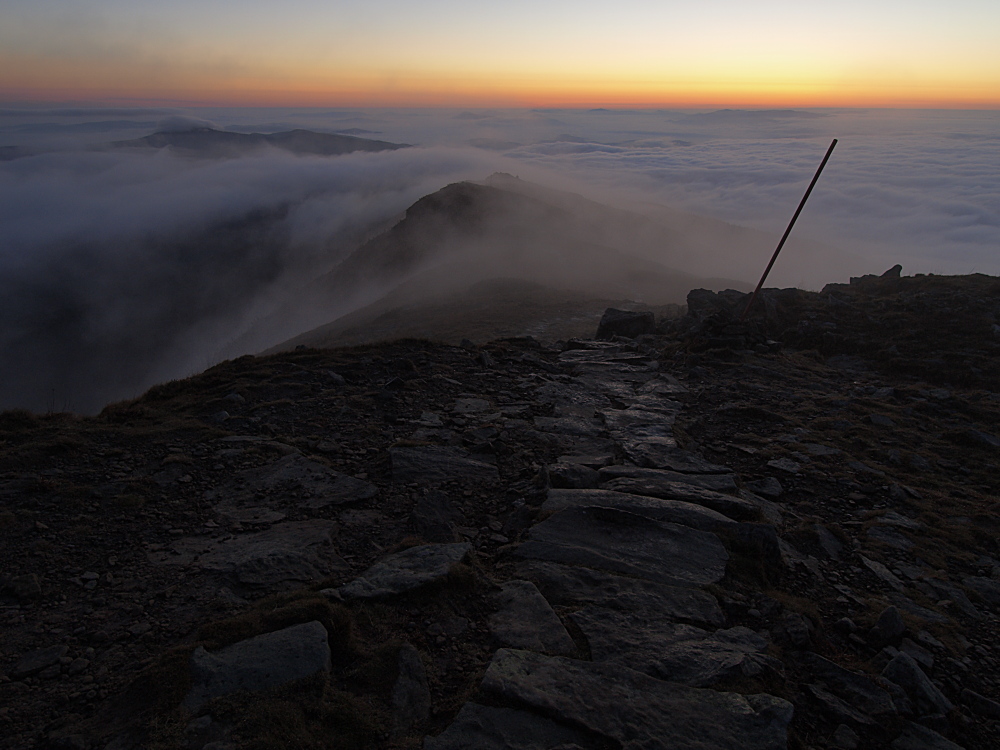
(119, 270)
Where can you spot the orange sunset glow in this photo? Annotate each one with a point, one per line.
(444, 54)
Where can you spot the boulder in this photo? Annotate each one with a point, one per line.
(624, 323)
(889, 628)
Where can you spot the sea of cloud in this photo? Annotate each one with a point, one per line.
(86, 232)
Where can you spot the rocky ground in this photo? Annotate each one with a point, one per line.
(774, 534)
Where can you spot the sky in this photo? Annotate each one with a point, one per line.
(633, 53)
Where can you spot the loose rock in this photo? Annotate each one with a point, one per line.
(406, 571)
(36, 661)
(411, 697)
(258, 663)
(525, 620)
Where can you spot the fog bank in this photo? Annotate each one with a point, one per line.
(118, 270)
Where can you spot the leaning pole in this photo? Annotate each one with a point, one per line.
(788, 230)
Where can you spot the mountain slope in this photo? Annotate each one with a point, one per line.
(469, 232)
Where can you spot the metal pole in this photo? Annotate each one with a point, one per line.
(788, 230)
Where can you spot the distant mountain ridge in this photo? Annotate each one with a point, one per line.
(469, 232)
(209, 142)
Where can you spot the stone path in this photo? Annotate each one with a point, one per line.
(634, 662)
(638, 553)
(609, 631)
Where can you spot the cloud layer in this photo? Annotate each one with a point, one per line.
(107, 282)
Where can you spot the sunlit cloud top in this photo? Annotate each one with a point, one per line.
(556, 53)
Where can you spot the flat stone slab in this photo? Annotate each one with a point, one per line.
(918, 737)
(889, 537)
(639, 422)
(258, 663)
(664, 454)
(715, 482)
(856, 689)
(622, 390)
(494, 728)
(988, 589)
(470, 405)
(576, 426)
(636, 710)
(735, 507)
(433, 464)
(654, 401)
(305, 483)
(566, 585)
(613, 354)
(293, 552)
(406, 571)
(570, 400)
(908, 605)
(621, 542)
(671, 651)
(883, 573)
(672, 511)
(250, 515)
(526, 620)
(926, 697)
(640, 372)
(35, 661)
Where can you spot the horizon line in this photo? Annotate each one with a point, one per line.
(166, 103)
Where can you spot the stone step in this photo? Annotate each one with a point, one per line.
(634, 709)
(627, 543)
